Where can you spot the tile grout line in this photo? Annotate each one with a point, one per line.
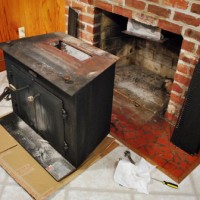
(130, 192)
(1, 191)
(5, 106)
(98, 190)
(194, 188)
(67, 192)
(4, 185)
(4, 78)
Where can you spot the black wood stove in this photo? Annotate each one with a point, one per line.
(62, 88)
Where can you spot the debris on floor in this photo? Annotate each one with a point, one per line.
(136, 176)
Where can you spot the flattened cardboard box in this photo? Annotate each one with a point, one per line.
(30, 175)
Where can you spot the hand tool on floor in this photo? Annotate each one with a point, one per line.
(128, 155)
(169, 184)
(172, 185)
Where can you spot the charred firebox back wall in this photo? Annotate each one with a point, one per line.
(160, 58)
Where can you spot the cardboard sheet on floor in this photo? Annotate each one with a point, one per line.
(30, 175)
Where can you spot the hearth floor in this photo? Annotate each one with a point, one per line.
(149, 136)
(97, 181)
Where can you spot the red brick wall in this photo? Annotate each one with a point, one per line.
(177, 16)
(89, 20)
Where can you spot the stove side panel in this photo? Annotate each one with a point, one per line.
(94, 107)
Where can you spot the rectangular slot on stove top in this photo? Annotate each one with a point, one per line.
(76, 53)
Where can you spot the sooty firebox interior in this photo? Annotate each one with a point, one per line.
(62, 88)
(145, 67)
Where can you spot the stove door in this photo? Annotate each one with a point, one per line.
(39, 108)
(48, 116)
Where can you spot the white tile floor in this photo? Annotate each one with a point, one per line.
(97, 183)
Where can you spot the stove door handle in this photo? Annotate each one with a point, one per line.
(14, 89)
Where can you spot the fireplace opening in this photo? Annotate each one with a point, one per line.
(145, 70)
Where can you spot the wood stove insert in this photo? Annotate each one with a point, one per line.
(62, 88)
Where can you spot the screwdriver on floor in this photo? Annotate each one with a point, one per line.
(172, 185)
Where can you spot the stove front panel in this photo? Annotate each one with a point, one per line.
(39, 108)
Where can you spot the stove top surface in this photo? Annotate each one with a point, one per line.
(63, 60)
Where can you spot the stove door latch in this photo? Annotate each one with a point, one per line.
(66, 147)
(6, 94)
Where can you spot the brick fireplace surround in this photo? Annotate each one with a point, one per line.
(178, 16)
